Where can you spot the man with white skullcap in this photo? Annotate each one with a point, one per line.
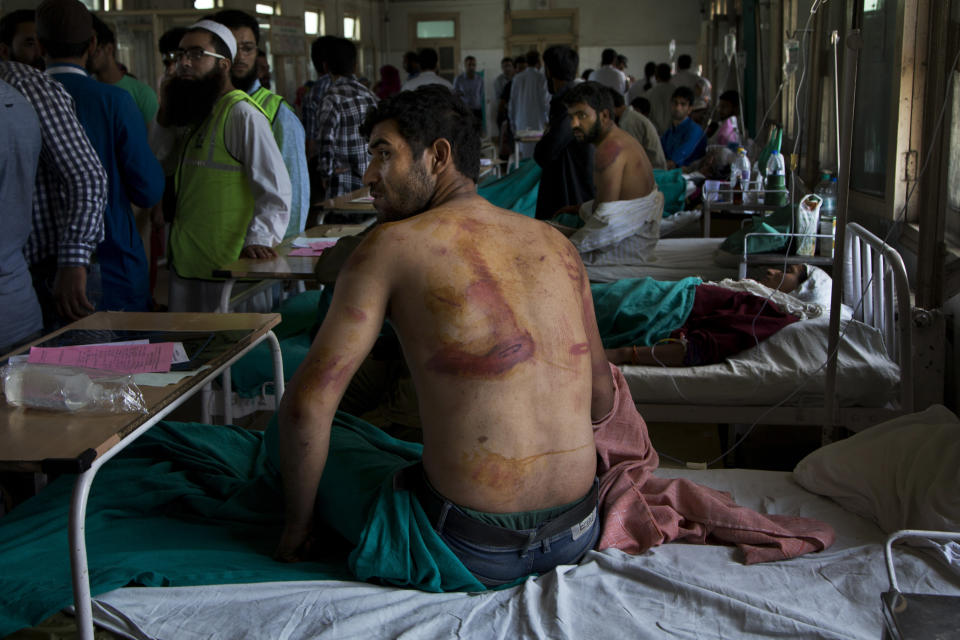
(233, 190)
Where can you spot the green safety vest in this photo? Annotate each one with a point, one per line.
(270, 102)
(214, 200)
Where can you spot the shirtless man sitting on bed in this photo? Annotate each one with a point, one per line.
(621, 169)
(494, 313)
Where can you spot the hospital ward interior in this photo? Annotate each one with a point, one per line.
(479, 319)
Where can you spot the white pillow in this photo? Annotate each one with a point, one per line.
(902, 474)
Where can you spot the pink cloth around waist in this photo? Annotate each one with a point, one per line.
(640, 510)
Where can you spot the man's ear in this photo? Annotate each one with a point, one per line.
(442, 154)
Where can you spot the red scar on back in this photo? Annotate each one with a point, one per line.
(580, 349)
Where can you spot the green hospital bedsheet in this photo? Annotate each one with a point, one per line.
(191, 504)
(641, 311)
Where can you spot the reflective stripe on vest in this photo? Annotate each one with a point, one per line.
(214, 200)
(269, 102)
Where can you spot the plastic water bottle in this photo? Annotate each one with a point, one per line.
(827, 190)
(51, 387)
(776, 179)
(740, 175)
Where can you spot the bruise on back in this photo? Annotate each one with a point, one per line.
(502, 344)
(502, 473)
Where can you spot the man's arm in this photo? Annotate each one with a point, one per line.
(602, 395)
(306, 413)
(249, 139)
(76, 168)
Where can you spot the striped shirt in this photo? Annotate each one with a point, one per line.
(71, 186)
(343, 151)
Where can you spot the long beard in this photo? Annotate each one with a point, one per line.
(592, 135)
(189, 100)
(244, 83)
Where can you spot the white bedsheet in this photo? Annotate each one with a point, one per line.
(673, 259)
(766, 374)
(675, 590)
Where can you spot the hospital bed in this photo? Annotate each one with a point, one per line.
(783, 379)
(674, 590)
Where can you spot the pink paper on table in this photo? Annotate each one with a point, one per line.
(122, 358)
(315, 248)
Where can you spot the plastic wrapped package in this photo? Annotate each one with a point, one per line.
(60, 388)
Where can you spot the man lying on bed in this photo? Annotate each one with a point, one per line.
(494, 314)
(706, 323)
(623, 221)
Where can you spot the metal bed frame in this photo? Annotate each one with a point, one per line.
(874, 283)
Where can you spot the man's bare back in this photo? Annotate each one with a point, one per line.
(494, 315)
(622, 170)
(501, 365)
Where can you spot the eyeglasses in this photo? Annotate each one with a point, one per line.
(193, 54)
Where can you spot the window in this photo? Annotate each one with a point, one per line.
(953, 165)
(203, 4)
(266, 9)
(436, 29)
(351, 27)
(313, 23)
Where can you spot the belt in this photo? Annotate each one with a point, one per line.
(460, 525)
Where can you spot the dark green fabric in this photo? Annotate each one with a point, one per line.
(673, 187)
(641, 311)
(299, 314)
(571, 220)
(191, 504)
(780, 221)
(516, 191)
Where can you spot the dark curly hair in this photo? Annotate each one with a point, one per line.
(427, 114)
(593, 94)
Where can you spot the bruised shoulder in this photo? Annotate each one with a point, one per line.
(609, 152)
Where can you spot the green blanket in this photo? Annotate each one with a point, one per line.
(191, 504)
(641, 311)
(516, 191)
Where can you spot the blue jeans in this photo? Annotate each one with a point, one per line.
(495, 564)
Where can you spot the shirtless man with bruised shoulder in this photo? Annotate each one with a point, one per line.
(494, 314)
(621, 168)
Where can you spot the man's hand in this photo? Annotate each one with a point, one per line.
(294, 544)
(258, 252)
(70, 293)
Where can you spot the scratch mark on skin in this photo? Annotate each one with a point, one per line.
(482, 439)
(356, 314)
(579, 349)
(323, 372)
(501, 472)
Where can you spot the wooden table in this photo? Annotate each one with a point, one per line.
(80, 443)
(284, 266)
(356, 203)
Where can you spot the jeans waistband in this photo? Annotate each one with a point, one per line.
(444, 515)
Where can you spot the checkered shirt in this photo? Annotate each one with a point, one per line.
(311, 105)
(343, 151)
(71, 187)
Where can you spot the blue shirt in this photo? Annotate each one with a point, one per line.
(290, 137)
(683, 143)
(21, 141)
(117, 132)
